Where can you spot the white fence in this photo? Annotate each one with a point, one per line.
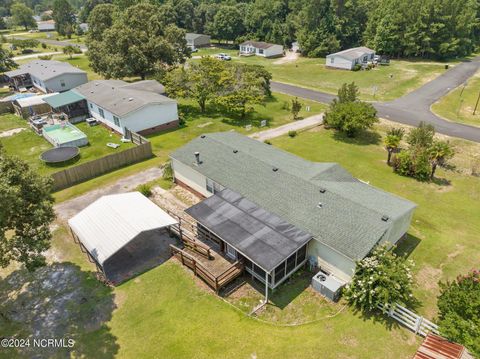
(415, 322)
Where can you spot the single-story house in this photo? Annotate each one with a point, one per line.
(197, 40)
(47, 25)
(139, 107)
(275, 210)
(32, 105)
(347, 59)
(123, 234)
(260, 48)
(47, 76)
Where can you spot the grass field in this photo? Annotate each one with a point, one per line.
(274, 112)
(459, 104)
(9, 122)
(28, 146)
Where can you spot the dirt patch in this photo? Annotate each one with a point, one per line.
(12, 132)
(349, 340)
(290, 56)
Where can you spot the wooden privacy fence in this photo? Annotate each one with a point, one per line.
(216, 282)
(88, 170)
(411, 320)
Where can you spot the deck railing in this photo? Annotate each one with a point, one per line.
(216, 282)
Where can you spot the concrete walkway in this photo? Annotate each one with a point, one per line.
(66, 210)
(309, 122)
(33, 56)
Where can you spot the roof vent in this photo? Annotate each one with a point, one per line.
(385, 218)
(130, 99)
(322, 190)
(320, 205)
(235, 151)
(197, 158)
(274, 169)
(202, 136)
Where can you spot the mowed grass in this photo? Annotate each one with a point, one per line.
(10, 121)
(276, 112)
(459, 104)
(445, 230)
(28, 146)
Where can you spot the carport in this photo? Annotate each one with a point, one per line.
(124, 234)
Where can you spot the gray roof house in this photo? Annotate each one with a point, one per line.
(139, 106)
(347, 59)
(47, 25)
(276, 210)
(260, 48)
(197, 40)
(47, 76)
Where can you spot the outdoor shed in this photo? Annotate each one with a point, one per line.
(347, 59)
(33, 105)
(197, 40)
(123, 234)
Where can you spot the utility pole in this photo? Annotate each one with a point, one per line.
(478, 98)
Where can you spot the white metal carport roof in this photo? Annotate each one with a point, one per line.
(112, 221)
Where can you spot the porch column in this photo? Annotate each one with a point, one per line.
(266, 287)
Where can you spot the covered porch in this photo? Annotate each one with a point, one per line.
(270, 249)
(71, 104)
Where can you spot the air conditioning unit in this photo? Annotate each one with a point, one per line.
(327, 285)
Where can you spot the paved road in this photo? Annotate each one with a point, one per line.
(306, 123)
(414, 107)
(33, 56)
(52, 42)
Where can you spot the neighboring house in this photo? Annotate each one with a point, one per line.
(47, 76)
(197, 40)
(139, 107)
(317, 207)
(347, 59)
(32, 105)
(296, 47)
(48, 25)
(260, 48)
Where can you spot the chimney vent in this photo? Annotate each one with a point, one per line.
(197, 158)
(274, 169)
(385, 218)
(235, 151)
(322, 190)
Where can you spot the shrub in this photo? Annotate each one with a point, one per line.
(459, 310)
(381, 278)
(44, 45)
(292, 133)
(145, 189)
(351, 117)
(45, 57)
(296, 107)
(167, 171)
(357, 67)
(414, 164)
(267, 142)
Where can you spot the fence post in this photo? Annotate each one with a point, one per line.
(418, 324)
(391, 310)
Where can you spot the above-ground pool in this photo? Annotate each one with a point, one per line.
(64, 135)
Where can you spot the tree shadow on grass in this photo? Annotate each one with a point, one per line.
(58, 301)
(362, 138)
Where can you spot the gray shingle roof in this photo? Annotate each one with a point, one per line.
(263, 237)
(353, 53)
(45, 69)
(120, 97)
(192, 36)
(258, 44)
(349, 219)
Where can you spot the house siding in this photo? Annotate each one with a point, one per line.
(189, 177)
(55, 84)
(339, 62)
(342, 268)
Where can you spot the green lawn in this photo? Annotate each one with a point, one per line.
(9, 121)
(274, 112)
(36, 50)
(459, 104)
(28, 146)
(445, 228)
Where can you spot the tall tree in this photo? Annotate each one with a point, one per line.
(88, 7)
(25, 214)
(439, 152)
(22, 16)
(64, 16)
(227, 23)
(6, 60)
(392, 141)
(136, 44)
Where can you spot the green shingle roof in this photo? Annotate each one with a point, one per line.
(349, 218)
(64, 98)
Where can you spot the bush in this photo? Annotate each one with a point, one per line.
(45, 57)
(381, 278)
(412, 164)
(167, 171)
(44, 45)
(145, 189)
(267, 142)
(459, 310)
(292, 133)
(351, 117)
(357, 67)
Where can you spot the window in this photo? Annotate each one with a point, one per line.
(116, 121)
(260, 51)
(332, 59)
(100, 111)
(279, 272)
(259, 271)
(291, 263)
(212, 186)
(91, 105)
(62, 83)
(301, 254)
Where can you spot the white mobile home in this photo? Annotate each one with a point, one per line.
(347, 59)
(140, 106)
(259, 48)
(47, 76)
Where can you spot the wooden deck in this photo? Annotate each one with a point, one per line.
(216, 272)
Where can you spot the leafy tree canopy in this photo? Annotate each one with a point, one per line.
(64, 16)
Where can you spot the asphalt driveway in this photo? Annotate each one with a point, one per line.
(414, 107)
